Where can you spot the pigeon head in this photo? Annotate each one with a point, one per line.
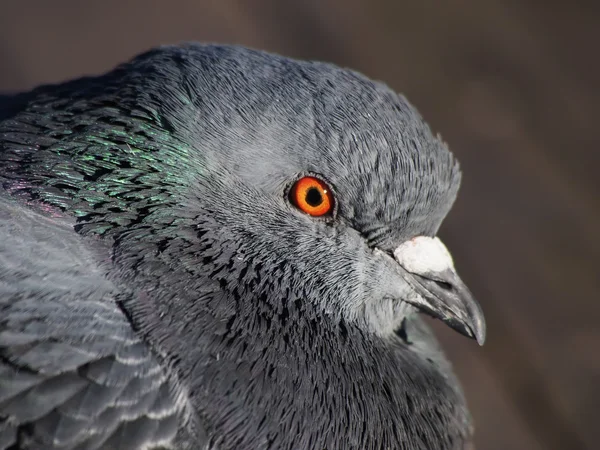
(190, 157)
(269, 126)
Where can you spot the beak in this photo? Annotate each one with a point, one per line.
(442, 294)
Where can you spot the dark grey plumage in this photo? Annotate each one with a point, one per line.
(159, 289)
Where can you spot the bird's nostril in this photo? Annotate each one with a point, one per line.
(444, 285)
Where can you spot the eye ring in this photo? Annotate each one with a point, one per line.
(312, 196)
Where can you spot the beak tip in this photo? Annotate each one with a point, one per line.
(480, 338)
(478, 330)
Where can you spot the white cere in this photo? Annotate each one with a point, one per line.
(422, 255)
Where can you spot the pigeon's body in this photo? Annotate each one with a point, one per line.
(157, 288)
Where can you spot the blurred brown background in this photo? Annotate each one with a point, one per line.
(513, 87)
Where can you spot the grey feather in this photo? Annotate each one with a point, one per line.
(61, 386)
(159, 287)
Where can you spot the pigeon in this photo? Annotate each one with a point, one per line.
(215, 247)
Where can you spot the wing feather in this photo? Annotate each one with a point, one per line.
(73, 373)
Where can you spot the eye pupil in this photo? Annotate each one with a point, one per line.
(314, 197)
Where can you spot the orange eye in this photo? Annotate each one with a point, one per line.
(312, 196)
